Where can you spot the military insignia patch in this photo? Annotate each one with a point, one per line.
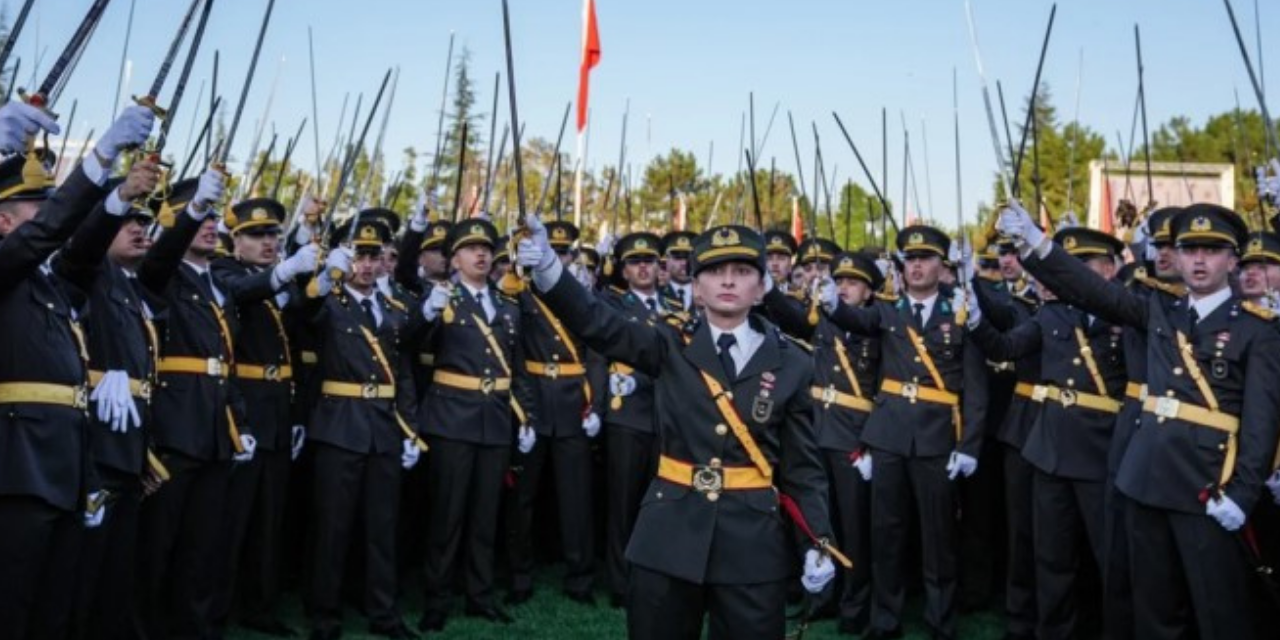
(1201, 223)
(725, 237)
(1218, 369)
(761, 409)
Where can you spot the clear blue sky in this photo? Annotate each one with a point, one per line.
(687, 67)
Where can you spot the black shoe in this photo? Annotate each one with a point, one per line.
(581, 597)
(269, 626)
(431, 620)
(395, 630)
(883, 634)
(518, 596)
(489, 612)
(851, 627)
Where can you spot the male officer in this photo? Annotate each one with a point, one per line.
(1196, 464)
(925, 431)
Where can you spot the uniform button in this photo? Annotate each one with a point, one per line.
(917, 358)
(486, 372)
(1075, 361)
(721, 429)
(1177, 371)
(836, 368)
(488, 351)
(555, 357)
(658, 495)
(1222, 447)
(715, 463)
(557, 338)
(712, 496)
(1071, 383)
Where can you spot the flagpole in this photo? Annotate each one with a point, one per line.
(577, 182)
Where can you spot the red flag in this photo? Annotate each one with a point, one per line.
(590, 58)
(797, 223)
(1107, 223)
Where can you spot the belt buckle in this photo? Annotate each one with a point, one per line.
(1039, 393)
(829, 394)
(1067, 397)
(213, 367)
(271, 373)
(707, 479)
(369, 391)
(1167, 407)
(553, 370)
(910, 391)
(80, 398)
(487, 385)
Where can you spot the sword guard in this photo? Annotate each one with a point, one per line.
(38, 101)
(150, 103)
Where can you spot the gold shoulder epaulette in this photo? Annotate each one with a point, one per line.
(395, 304)
(887, 297)
(797, 341)
(1175, 289)
(1258, 310)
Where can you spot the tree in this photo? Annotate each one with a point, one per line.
(461, 112)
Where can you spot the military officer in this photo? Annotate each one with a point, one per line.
(737, 445)
(360, 439)
(467, 415)
(628, 408)
(1082, 382)
(260, 282)
(677, 246)
(567, 421)
(45, 491)
(925, 431)
(780, 250)
(846, 371)
(1195, 465)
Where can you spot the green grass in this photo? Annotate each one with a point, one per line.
(552, 617)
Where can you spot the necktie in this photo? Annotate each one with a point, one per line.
(917, 314)
(207, 278)
(480, 301)
(371, 319)
(652, 304)
(1193, 314)
(725, 341)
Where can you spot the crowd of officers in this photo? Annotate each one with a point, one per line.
(204, 401)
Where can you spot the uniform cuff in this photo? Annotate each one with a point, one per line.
(115, 205)
(544, 279)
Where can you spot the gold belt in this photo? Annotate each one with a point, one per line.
(44, 393)
(470, 383)
(198, 366)
(137, 388)
(269, 372)
(308, 357)
(829, 396)
(1165, 408)
(366, 391)
(1067, 397)
(555, 370)
(427, 359)
(1136, 391)
(711, 478)
(912, 391)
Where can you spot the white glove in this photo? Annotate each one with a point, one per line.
(828, 295)
(436, 302)
(129, 131)
(93, 516)
(20, 122)
(582, 274)
(526, 437)
(298, 438)
(209, 190)
(621, 384)
(1273, 484)
(248, 444)
(409, 458)
(339, 260)
(535, 249)
(961, 464)
(885, 266)
(818, 571)
(1016, 223)
(302, 261)
(303, 235)
(418, 220)
(115, 403)
(591, 424)
(768, 282)
(863, 464)
(1226, 512)
(1269, 186)
(975, 313)
(1068, 220)
(605, 246)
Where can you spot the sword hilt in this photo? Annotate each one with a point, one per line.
(37, 100)
(150, 103)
